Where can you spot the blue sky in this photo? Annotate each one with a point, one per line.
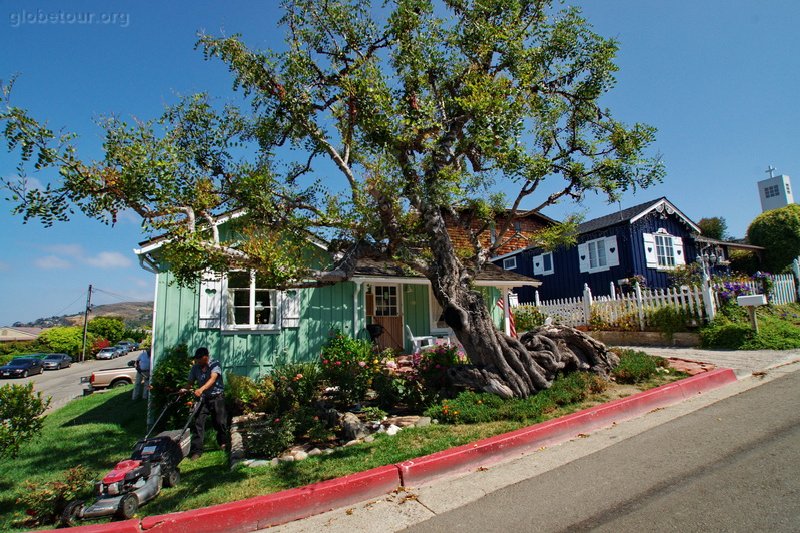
(717, 78)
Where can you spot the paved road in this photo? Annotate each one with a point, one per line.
(732, 466)
(64, 385)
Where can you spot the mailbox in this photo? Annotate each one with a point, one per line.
(752, 301)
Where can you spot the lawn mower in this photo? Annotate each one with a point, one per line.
(135, 481)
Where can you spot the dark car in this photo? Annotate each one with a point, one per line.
(56, 361)
(21, 367)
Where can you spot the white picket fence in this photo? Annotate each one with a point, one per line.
(637, 308)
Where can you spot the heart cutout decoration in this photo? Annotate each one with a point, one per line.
(679, 252)
(649, 249)
(612, 249)
(583, 257)
(537, 264)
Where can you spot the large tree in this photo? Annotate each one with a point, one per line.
(373, 126)
(777, 230)
(714, 227)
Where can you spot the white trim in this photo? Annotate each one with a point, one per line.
(669, 205)
(509, 254)
(250, 327)
(510, 267)
(423, 281)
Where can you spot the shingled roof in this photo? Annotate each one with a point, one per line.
(368, 267)
(630, 214)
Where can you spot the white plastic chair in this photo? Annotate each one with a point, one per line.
(424, 342)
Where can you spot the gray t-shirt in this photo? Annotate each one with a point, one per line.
(200, 375)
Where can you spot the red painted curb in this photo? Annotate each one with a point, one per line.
(281, 507)
(466, 458)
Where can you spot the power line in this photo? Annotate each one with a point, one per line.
(121, 297)
(71, 304)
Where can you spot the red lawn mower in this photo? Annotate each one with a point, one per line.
(135, 481)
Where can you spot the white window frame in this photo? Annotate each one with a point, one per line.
(227, 309)
(541, 270)
(665, 251)
(434, 306)
(510, 263)
(597, 261)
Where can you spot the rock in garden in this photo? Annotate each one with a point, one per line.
(352, 442)
(353, 428)
(299, 455)
(423, 421)
(286, 458)
(392, 430)
(327, 451)
(369, 438)
(403, 421)
(275, 461)
(314, 451)
(258, 463)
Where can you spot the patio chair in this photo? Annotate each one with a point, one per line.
(425, 342)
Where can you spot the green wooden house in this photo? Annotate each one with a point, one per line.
(250, 328)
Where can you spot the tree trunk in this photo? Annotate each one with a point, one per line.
(501, 364)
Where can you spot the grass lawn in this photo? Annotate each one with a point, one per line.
(99, 430)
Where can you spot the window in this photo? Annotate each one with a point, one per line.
(386, 301)
(250, 304)
(438, 325)
(597, 254)
(543, 264)
(518, 226)
(510, 263)
(771, 190)
(664, 251)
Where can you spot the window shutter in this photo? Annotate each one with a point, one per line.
(650, 255)
(290, 309)
(210, 301)
(583, 257)
(538, 265)
(677, 248)
(612, 251)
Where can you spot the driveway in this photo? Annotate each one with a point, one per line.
(65, 384)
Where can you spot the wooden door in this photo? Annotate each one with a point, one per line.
(384, 307)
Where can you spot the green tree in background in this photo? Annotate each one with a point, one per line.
(68, 340)
(369, 127)
(777, 230)
(714, 228)
(110, 328)
(21, 418)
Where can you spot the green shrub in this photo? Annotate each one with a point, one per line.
(170, 374)
(242, 395)
(296, 385)
(349, 365)
(669, 321)
(724, 333)
(527, 317)
(45, 502)
(21, 418)
(68, 340)
(269, 438)
(107, 327)
(635, 367)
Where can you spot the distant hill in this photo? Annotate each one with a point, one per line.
(134, 314)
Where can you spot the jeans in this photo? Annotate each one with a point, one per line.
(141, 385)
(219, 419)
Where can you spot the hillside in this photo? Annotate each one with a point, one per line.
(134, 314)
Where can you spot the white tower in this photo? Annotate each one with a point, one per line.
(775, 191)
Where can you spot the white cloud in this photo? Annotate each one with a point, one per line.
(109, 260)
(52, 262)
(71, 250)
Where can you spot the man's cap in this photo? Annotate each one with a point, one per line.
(200, 352)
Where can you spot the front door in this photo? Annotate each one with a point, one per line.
(384, 308)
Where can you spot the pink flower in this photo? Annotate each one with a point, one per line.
(391, 364)
(338, 363)
(277, 420)
(324, 361)
(362, 364)
(299, 376)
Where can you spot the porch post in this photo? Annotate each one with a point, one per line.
(356, 294)
(506, 317)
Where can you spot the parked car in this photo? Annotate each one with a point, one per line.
(108, 353)
(21, 367)
(128, 346)
(111, 378)
(56, 361)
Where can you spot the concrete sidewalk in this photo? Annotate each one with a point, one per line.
(405, 508)
(743, 362)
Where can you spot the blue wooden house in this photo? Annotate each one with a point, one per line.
(647, 240)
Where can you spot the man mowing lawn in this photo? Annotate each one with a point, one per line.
(206, 373)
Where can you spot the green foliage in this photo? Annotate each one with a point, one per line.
(432, 366)
(21, 418)
(243, 395)
(480, 407)
(714, 228)
(170, 374)
(669, 320)
(745, 261)
(295, 386)
(779, 329)
(348, 364)
(44, 502)
(371, 414)
(636, 367)
(110, 328)
(16, 348)
(778, 231)
(690, 274)
(625, 322)
(68, 340)
(271, 437)
(528, 317)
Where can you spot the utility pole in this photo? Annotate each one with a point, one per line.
(86, 321)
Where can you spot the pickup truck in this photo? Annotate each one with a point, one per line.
(111, 378)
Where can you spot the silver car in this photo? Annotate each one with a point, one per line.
(108, 353)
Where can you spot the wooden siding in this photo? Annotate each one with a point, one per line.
(567, 281)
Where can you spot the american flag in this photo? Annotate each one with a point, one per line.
(512, 325)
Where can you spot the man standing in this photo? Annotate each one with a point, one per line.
(141, 388)
(207, 375)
